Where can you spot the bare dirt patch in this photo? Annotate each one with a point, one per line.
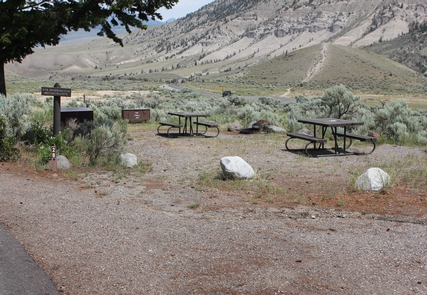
(284, 179)
(297, 228)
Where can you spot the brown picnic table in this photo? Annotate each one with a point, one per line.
(319, 141)
(186, 121)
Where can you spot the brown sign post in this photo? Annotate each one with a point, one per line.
(56, 92)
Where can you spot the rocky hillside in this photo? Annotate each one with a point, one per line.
(408, 49)
(231, 35)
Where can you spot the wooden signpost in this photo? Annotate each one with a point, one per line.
(56, 92)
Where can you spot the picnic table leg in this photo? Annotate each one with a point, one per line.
(334, 131)
(323, 136)
(183, 128)
(345, 137)
(314, 131)
(185, 124)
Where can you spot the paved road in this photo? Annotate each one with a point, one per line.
(283, 99)
(19, 274)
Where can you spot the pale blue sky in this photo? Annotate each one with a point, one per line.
(182, 8)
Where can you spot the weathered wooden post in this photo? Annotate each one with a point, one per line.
(56, 112)
(56, 92)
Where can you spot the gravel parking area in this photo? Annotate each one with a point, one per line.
(139, 234)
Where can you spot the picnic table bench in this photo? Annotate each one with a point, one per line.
(170, 125)
(352, 136)
(309, 138)
(207, 125)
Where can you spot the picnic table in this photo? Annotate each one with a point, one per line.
(186, 121)
(319, 141)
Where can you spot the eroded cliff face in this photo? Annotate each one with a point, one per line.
(232, 34)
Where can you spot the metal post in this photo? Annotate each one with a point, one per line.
(56, 112)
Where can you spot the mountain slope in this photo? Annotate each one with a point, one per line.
(329, 64)
(409, 49)
(231, 35)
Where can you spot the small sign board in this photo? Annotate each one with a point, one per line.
(56, 91)
(136, 115)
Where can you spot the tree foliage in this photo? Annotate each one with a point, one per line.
(25, 25)
(339, 103)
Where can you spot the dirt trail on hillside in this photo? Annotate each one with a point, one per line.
(319, 66)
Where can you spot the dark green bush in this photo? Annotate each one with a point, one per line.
(8, 152)
(37, 134)
(62, 142)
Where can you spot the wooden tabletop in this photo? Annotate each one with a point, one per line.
(188, 114)
(331, 122)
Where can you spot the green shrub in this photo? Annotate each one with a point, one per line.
(110, 112)
(421, 137)
(106, 141)
(397, 132)
(8, 152)
(61, 141)
(271, 117)
(367, 116)
(237, 100)
(42, 113)
(339, 103)
(395, 112)
(247, 114)
(37, 134)
(84, 129)
(16, 109)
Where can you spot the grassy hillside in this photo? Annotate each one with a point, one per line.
(324, 66)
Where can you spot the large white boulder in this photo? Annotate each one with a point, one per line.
(128, 160)
(62, 163)
(236, 167)
(373, 179)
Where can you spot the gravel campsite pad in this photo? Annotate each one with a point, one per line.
(299, 227)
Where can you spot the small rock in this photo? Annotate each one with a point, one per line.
(235, 126)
